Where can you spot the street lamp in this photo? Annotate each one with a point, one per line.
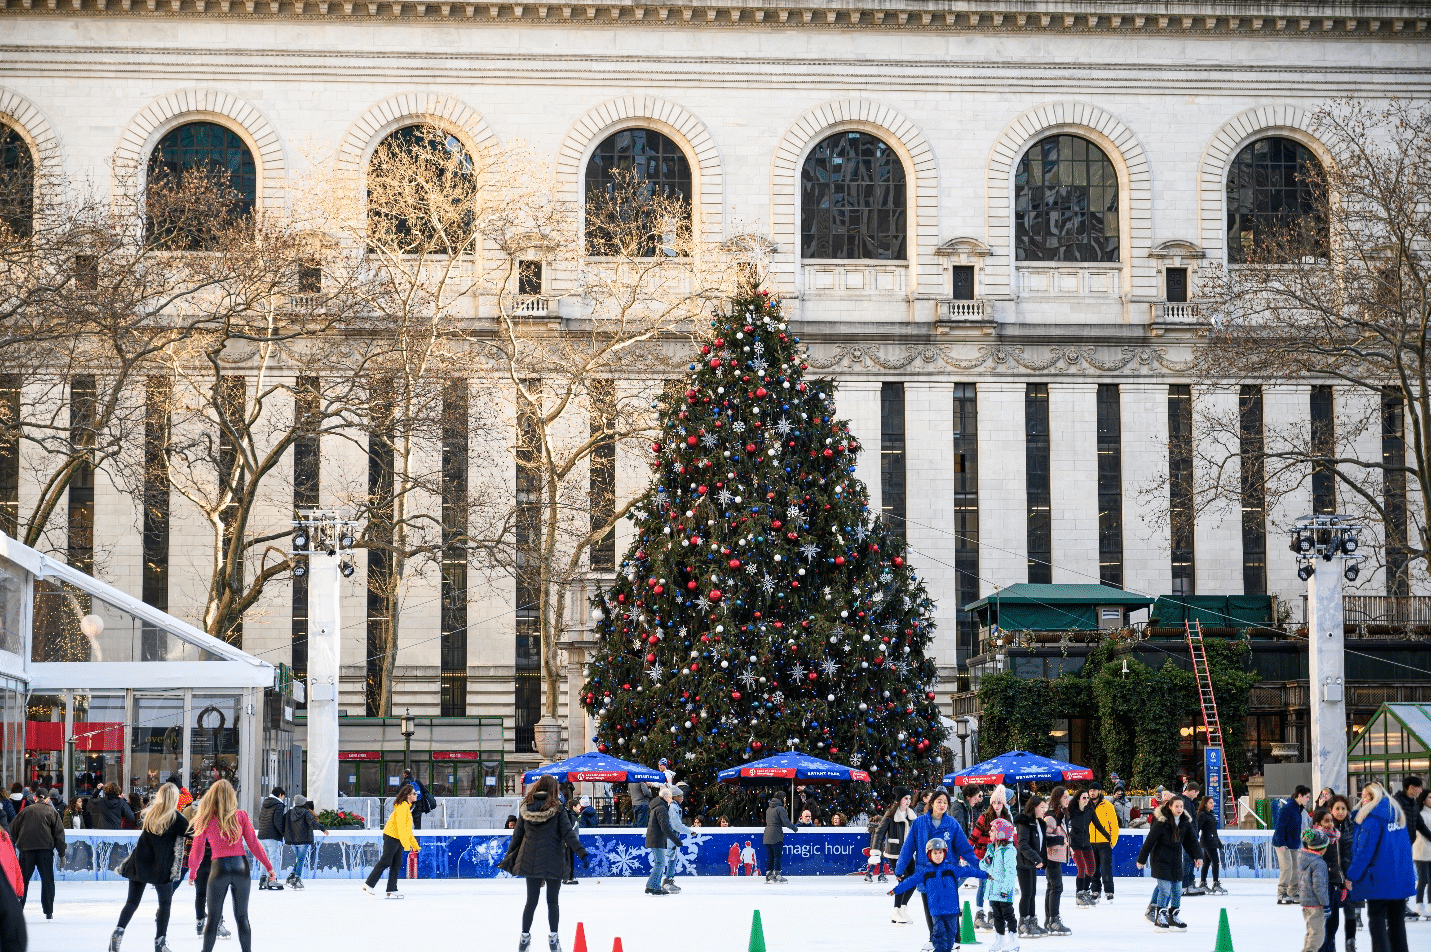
(407, 732)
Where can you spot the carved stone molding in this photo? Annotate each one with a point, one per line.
(1012, 358)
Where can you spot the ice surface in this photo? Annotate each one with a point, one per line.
(712, 914)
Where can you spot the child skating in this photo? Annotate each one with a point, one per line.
(1001, 864)
(1170, 834)
(1313, 886)
(939, 881)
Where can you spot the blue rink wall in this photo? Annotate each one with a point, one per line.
(95, 855)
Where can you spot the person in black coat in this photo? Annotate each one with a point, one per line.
(298, 826)
(13, 937)
(1170, 835)
(535, 853)
(38, 834)
(152, 864)
(1029, 828)
(108, 810)
(776, 822)
(1210, 842)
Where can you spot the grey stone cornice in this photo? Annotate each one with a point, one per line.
(1166, 18)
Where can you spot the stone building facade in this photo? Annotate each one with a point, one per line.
(986, 386)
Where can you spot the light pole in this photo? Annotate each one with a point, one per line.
(407, 732)
(961, 729)
(322, 552)
(1326, 547)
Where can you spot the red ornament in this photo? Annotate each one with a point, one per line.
(621, 599)
(650, 659)
(702, 490)
(720, 342)
(829, 453)
(839, 560)
(715, 362)
(659, 589)
(750, 448)
(760, 391)
(715, 594)
(748, 329)
(755, 745)
(735, 695)
(691, 585)
(690, 441)
(929, 694)
(898, 561)
(812, 676)
(655, 447)
(735, 563)
(601, 748)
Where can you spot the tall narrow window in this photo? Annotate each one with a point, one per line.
(528, 539)
(455, 432)
(853, 203)
(1324, 451)
(1393, 460)
(1177, 285)
(1066, 202)
(966, 516)
(17, 184)
(382, 460)
(1110, 486)
(891, 457)
(83, 399)
(157, 400)
(1182, 519)
(233, 393)
(603, 474)
(306, 475)
(1039, 483)
(10, 454)
(1254, 492)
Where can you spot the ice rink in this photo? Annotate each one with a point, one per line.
(712, 914)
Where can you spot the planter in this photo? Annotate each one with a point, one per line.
(548, 738)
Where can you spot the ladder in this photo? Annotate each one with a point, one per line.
(1210, 719)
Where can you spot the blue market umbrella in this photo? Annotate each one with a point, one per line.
(1019, 766)
(597, 767)
(791, 766)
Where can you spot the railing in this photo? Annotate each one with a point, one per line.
(1171, 312)
(305, 302)
(1387, 609)
(962, 310)
(532, 305)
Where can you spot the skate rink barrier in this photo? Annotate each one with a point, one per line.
(722, 851)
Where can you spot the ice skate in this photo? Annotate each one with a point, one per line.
(998, 945)
(553, 942)
(1011, 943)
(659, 892)
(1151, 914)
(370, 891)
(1023, 931)
(161, 946)
(1160, 920)
(525, 942)
(200, 927)
(1217, 889)
(224, 933)
(882, 877)
(1036, 931)
(394, 895)
(1173, 919)
(982, 923)
(1081, 899)
(1195, 891)
(115, 939)
(869, 876)
(670, 886)
(1055, 926)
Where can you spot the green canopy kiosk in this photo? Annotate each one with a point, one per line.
(1026, 607)
(1394, 743)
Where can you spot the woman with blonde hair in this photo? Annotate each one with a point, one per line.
(152, 863)
(222, 827)
(1380, 873)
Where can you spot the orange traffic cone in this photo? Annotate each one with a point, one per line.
(580, 945)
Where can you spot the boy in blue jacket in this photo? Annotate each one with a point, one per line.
(939, 881)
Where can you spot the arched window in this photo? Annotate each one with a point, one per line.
(421, 192)
(1275, 203)
(853, 200)
(1066, 202)
(201, 182)
(627, 170)
(17, 185)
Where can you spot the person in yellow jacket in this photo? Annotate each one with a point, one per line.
(397, 837)
(1103, 836)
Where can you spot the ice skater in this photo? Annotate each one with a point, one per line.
(1030, 833)
(1211, 843)
(397, 836)
(1170, 835)
(939, 882)
(936, 822)
(535, 853)
(776, 822)
(298, 827)
(678, 829)
(1001, 865)
(161, 838)
(980, 837)
(1313, 889)
(223, 828)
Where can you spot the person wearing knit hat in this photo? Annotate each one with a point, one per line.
(1313, 886)
(299, 824)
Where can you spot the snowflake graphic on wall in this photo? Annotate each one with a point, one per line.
(615, 858)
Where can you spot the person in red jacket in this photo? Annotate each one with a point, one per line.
(13, 937)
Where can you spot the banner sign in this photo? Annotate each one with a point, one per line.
(621, 851)
(1212, 775)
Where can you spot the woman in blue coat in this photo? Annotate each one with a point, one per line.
(934, 822)
(1381, 873)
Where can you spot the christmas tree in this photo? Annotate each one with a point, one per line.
(761, 607)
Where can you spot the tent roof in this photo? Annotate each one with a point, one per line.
(1024, 593)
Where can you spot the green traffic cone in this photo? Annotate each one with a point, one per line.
(1224, 934)
(757, 934)
(966, 927)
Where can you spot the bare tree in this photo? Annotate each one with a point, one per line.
(1337, 295)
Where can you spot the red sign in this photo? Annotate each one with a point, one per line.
(456, 755)
(767, 771)
(359, 755)
(44, 735)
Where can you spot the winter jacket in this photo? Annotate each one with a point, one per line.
(270, 818)
(12, 916)
(1381, 857)
(1055, 840)
(1345, 845)
(1103, 825)
(980, 836)
(659, 835)
(1002, 865)
(1123, 810)
(1165, 845)
(1415, 826)
(640, 793)
(541, 833)
(154, 854)
(1288, 826)
(1029, 833)
(923, 829)
(940, 884)
(108, 813)
(298, 826)
(1333, 857)
(678, 823)
(1078, 825)
(959, 810)
(399, 827)
(419, 806)
(39, 828)
(1207, 836)
(1312, 885)
(8, 805)
(586, 817)
(890, 836)
(776, 822)
(1421, 848)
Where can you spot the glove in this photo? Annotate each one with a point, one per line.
(582, 858)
